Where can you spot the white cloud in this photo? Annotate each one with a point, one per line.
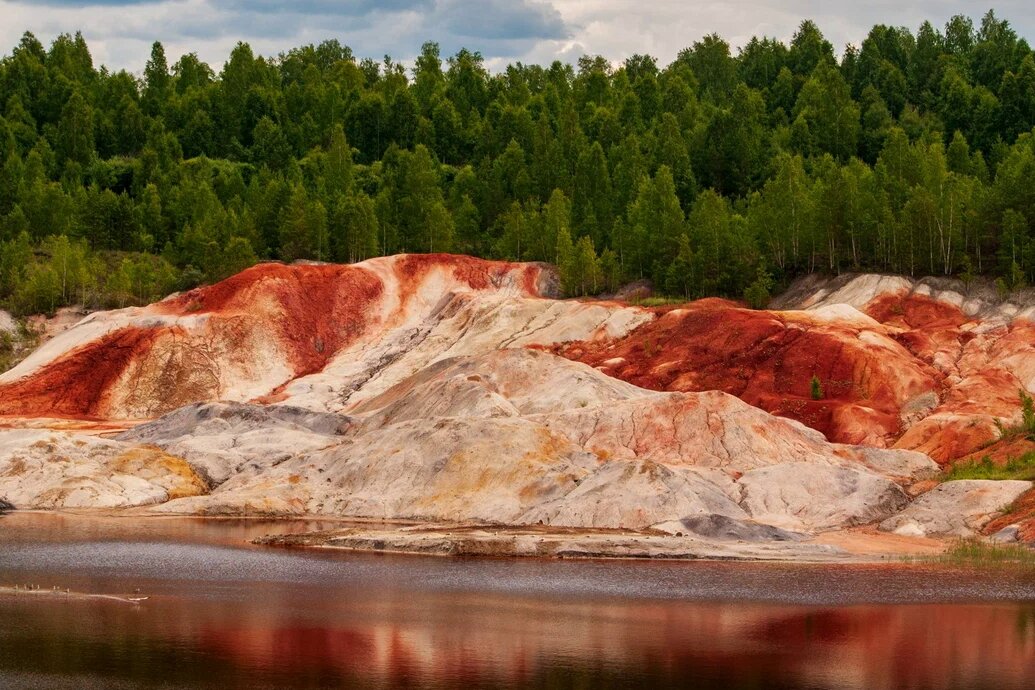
(120, 32)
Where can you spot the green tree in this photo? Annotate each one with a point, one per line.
(656, 223)
(353, 228)
(303, 228)
(157, 81)
(757, 293)
(825, 104)
(270, 147)
(75, 131)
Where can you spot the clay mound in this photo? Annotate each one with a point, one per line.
(464, 324)
(500, 383)
(591, 453)
(431, 448)
(768, 360)
(447, 468)
(957, 509)
(635, 494)
(242, 338)
(913, 365)
(220, 440)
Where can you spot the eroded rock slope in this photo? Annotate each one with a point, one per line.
(444, 388)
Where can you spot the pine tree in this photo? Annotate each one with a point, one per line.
(75, 131)
(566, 261)
(585, 268)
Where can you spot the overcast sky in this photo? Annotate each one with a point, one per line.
(120, 32)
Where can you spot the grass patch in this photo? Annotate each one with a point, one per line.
(1026, 429)
(982, 554)
(1022, 467)
(657, 301)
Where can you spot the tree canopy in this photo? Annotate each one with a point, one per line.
(724, 173)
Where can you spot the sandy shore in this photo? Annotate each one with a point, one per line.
(855, 545)
(445, 539)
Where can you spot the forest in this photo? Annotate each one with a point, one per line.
(727, 172)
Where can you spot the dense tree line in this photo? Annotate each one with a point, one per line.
(719, 174)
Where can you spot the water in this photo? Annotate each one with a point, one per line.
(223, 614)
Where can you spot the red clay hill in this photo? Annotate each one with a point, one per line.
(239, 339)
(900, 363)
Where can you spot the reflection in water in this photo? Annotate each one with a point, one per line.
(225, 614)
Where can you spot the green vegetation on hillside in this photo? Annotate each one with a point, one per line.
(976, 553)
(1026, 429)
(719, 174)
(1022, 467)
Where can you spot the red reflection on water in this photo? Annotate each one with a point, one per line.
(861, 646)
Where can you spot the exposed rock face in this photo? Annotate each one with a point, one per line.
(785, 496)
(451, 444)
(313, 335)
(956, 509)
(428, 388)
(768, 360)
(907, 364)
(41, 469)
(220, 440)
(721, 527)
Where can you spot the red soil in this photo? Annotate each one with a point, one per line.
(312, 311)
(477, 274)
(872, 376)
(1000, 452)
(768, 360)
(315, 309)
(78, 384)
(914, 311)
(320, 308)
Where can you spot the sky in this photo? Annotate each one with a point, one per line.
(120, 32)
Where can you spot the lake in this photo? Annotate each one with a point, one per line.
(222, 613)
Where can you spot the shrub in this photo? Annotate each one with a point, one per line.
(816, 388)
(1027, 425)
(757, 294)
(1027, 414)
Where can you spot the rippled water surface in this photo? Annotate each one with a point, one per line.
(221, 613)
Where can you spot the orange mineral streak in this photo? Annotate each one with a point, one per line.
(914, 312)
(78, 384)
(1000, 452)
(477, 274)
(981, 368)
(768, 360)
